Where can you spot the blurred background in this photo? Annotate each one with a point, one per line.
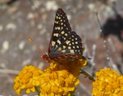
(26, 27)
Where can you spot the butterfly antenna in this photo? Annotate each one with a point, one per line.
(41, 52)
(44, 56)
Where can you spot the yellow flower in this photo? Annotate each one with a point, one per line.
(108, 83)
(27, 79)
(55, 80)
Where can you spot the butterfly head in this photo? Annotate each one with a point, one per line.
(45, 57)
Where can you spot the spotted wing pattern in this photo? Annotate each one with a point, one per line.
(64, 41)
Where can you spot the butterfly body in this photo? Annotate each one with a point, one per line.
(65, 45)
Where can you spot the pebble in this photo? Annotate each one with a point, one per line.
(36, 4)
(26, 62)
(1, 27)
(40, 26)
(5, 46)
(42, 32)
(30, 16)
(91, 7)
(21, 45)
(2, 65)
(51, 5)
(10, 26)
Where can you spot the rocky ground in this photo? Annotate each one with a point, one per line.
(26, 27)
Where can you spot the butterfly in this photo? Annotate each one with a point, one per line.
(65, 45)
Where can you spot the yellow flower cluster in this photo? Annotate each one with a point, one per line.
(27, 79)
(58, 80)
(108, 83)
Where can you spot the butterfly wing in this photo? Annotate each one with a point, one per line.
(61, 30)
(64, 41)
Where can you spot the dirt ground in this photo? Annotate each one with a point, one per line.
(25, 31)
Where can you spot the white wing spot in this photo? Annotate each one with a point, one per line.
(61, 28)
(75, 38)
(57, 17)
(59, 49)
(62, 32)
(77, 46)
(73, 46)
(63, 50)
(72, 35)
(67, 42)
(56, 22)
(71, 51)
(72, 42)
(72, 39)
(64, 46)
(56, 34)
(66, 34)
(53, 43)
(57, 28)
(58, 41)
(76, 42)
(76, 50)
(56, 45)
(69, 47)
